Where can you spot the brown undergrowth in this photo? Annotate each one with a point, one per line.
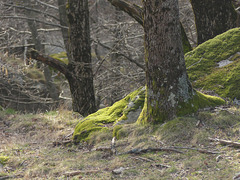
(38, 147)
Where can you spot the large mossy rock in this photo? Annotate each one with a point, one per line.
(215, 65)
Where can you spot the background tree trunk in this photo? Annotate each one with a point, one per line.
(81, 77)
(213, 18)
(52, 89)
(167, 80)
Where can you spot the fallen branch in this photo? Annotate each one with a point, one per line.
(143, 159)
(140, 151)
(160, 166)
(226, 142)
(196, 149)
(59, 143)
(75, 173)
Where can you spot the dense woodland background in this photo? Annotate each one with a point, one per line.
(116, 41)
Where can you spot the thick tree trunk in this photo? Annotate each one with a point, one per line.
(81, 77)
(213, 17)
(167, 80)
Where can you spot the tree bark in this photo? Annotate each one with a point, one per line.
(136, 12)
(63, 22)
(213, 18)
(167, 81)
(80, 65)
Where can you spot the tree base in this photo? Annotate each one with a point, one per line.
(199, 101)
(130, 110)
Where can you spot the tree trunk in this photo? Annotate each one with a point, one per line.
(213, 17)
(167, 81)
(63, 22)
(52, 89)
(81, 77)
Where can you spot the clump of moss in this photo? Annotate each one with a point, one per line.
(203, 68)
(105, 118)
(62, 56)
(198, 101)
(3, 160)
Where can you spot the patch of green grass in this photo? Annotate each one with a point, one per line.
(10, 111)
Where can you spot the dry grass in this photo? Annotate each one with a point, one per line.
(28, 142)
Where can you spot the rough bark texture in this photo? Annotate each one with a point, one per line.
(63, 21)
(81, 77)
(213, 17)
(167, 80)
(136, 12)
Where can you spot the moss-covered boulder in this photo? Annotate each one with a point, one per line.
(126, 110)
(215, 65)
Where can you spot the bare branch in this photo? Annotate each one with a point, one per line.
(48, 5)
(60, 66)
(123, 55)
(32, 19)
(133, 10)
(34, 10)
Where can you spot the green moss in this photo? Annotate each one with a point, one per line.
(105, 118)
(62, 56)
(116, 131)
(199, 101)
(224, 81)
(3, 160)
(203, 69)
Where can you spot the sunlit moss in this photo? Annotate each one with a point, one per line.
(203, 68)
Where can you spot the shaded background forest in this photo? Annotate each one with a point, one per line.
(117, 52)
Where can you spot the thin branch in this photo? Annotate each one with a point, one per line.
(48, 5)
(123, 55)
(32, 19)
(204, 151)
(140, 151)
(226, 142)
(31, 9)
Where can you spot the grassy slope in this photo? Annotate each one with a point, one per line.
(28, 142)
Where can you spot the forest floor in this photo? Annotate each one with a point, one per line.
(38, 146)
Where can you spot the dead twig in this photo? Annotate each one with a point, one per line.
(140, 151)
(75, 173)
(59, 143)
(143, 159)
(226, 142)
(160, 166)
(197, 149)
